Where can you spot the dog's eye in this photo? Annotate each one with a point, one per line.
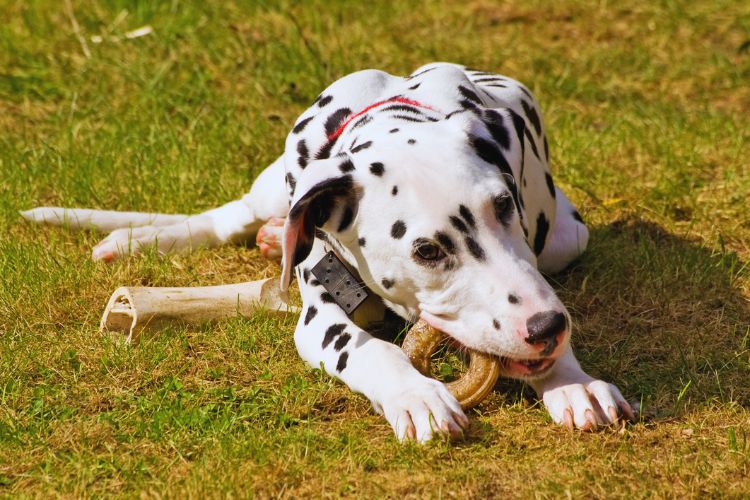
(503, 207)
(428, 251)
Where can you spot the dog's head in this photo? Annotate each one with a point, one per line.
(433, 215)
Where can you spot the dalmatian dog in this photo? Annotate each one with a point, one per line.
(433, 194)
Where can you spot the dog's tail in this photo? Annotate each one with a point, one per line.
(100, 220)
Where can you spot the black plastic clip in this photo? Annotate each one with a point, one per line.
(346, 290)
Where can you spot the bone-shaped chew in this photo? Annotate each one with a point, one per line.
(132, 310)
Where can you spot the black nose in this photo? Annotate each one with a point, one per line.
(545, 326)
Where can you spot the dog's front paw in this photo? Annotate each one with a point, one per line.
(587, 405)
(423, 409)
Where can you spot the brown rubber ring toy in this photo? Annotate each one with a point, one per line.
(484, 369)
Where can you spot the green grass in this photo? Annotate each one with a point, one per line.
(646, 105)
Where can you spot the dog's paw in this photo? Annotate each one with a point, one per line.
(123, 242)
(588, 405)
(424, 409)
(269, 238)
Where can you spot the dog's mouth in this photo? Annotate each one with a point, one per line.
(511, 367)
(526, 367)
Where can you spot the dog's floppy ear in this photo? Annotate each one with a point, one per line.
(325, 189)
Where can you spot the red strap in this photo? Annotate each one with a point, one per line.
(402, 100)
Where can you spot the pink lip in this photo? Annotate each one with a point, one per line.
(434, 321)
(527, 368)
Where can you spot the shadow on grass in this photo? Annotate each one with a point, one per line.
(662, 317)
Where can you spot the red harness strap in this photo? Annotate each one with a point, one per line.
(402, 100)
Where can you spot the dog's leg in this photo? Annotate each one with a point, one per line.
(98, 220)
(574, 398)
(234, 222)
(416, 407)
(567, 240)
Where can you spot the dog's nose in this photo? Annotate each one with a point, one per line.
(545, 326)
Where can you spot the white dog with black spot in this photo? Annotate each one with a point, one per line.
(434, 192)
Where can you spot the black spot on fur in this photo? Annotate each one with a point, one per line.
(490, 153)
(407, 118)
(532, 142)
(577, 216)
(306, 275)
(362, 146)
(526, 91)
(362, 121)
(291, 182)
(414, 75)
(386, 283)
(546, 149)
(341, 365)
(446, 242)
(346, 166)
(325, 151)
(314, 282)
(394, 191)
(519, 125)
(499, 85)
(333, 331)
(488, 79)
(542, 226)
(474, 248)
(346, 218)
(467, 104)
(550, 184)
(311, 312)
(324, 100)
(326, 297)
(301, 125)
(377, 168)
(469, 94)
(393, 131)
(494, 122)
(361, 242)
(406, 108)
(532, 115)
(459, 224)
(303, 152)
(467, 215)
(415, 86)
(513, 299)
(341, 342)
(495, 324)
(398, 230)
(412, 141)
(335, 119)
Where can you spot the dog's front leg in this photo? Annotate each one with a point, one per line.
(415, 406)
(575, 399)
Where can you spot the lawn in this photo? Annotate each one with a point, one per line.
(646, 105)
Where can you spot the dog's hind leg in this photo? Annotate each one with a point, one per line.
(99, 220)
(568, 238)
(235, 222)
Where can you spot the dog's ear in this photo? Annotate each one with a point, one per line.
(325, 193)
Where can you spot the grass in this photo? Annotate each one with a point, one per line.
(646, 106)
